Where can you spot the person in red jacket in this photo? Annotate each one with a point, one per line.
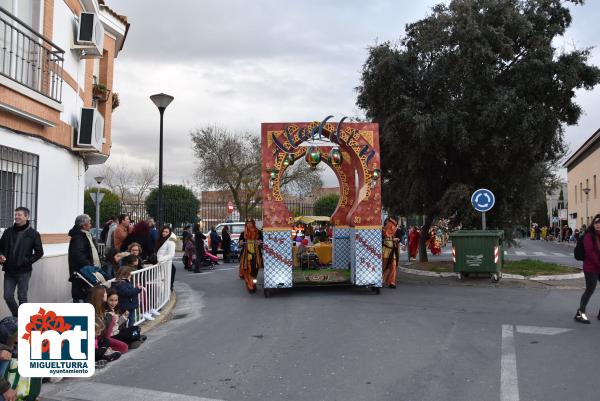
(591, 267)
(414, 236)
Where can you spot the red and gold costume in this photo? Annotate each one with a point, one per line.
(434, 243)
(389, 257)
(251, 259)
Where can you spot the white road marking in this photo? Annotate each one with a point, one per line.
(520, 253)
(509, 381)
(213, 271)
(548, 331)
(539, 253)
(559, 254)
(94, 391)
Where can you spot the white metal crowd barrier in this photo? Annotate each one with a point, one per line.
(101, 247)
(156, 283)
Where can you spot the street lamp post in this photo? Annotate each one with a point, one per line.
(161, 101)
(99, 181)
(586, 191)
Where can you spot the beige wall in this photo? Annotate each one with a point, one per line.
(61, 133)
(49, 281)
(587, 172)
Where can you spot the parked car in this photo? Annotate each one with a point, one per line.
(235, 229)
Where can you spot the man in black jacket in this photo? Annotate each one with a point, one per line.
(82, 252)
(20, 248)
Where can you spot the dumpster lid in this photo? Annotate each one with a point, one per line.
(477, 233)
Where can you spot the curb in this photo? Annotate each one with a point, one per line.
(165, 314)
(556, 277)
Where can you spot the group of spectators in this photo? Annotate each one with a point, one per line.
(196, 255)
(102, 280)
(105, 280)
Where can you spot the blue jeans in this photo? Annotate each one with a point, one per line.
(20, 281)
(131, 320)
(3, 367)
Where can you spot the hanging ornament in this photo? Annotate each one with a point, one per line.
(335, 157)
(313, 156)
(288, 160)
(272, 173)
(376, 173)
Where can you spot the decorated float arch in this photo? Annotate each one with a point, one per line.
(352, 151)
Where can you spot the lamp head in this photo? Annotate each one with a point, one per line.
(99, 180)
(161, 100)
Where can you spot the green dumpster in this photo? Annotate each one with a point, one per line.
(478, 251)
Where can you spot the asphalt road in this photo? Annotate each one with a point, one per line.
(547, 251)
(426, 340)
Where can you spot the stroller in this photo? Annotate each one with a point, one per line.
(234, 252)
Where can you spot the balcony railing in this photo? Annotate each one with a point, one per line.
(29, 58)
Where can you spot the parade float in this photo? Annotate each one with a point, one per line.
(352, 152)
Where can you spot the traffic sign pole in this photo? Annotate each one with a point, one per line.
(483, 200)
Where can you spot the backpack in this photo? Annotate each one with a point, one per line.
(579, 249)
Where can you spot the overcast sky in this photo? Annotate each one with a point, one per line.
(238, 63)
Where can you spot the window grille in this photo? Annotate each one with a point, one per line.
(18, 184)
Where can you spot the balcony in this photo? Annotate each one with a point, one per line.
(29, 59)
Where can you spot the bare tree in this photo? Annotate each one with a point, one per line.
(131, 185)
(144, 180)
(231, 161)
(299, 179)
(119, 179)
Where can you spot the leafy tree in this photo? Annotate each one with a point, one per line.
(326, 205)
(179, 203)
(474, 95)
(231, 161)
(110, 205)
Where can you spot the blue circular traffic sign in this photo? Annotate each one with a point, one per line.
(483, 200)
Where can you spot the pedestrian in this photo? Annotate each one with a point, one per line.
(310, 232)
(153, 231)
(187, 232)
(106, 228)
(121, 231)
(82, 252)
(544, 233)
(8, 346)
(251, 259)
(112, 263)
(214, 241)
(108, 242)
(128, 294)
(433, 243)
(140, 234)
(401, 233)
(226, 243)
(591, 267)
(390, 253)
(135, 249)
(166, 249)
(413, 242)
(20, 248)
(189, 250)
(199, 238)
